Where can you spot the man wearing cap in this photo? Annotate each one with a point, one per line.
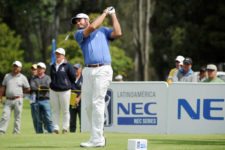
(75, 108)
(97, 74)
(202, 75)
(212, 74)
(14, 84)
(178, 63)
(62, 76)
(33, 104)
(40, 86)
(185, 74)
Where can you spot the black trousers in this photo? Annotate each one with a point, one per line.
(74, 113)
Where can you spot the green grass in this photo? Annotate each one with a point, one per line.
(115, 141)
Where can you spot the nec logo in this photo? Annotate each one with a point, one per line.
(136, 114)
(209, 109)
(136, 108)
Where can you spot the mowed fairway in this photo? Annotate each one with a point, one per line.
(28, 140)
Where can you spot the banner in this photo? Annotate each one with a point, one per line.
(196, 108)
(153, 107)
(134, 107)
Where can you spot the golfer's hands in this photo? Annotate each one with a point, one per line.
(109, 10)
(112, 10)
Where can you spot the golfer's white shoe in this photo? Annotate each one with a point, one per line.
(93, 144)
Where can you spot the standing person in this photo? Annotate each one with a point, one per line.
(13, 84)
(202, 75)
(40, 85)
(97, 74)
(75, 109)
(185, 74)
(212, 74)
(178, 64)
(33, 104)
(62, 76)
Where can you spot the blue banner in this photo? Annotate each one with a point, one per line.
(53, 58)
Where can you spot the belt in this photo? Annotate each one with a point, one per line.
(94, 65)
(13, 98)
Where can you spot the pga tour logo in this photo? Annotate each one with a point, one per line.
(108, 108)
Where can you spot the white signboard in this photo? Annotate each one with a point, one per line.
(196, 108)
(134, 107)
(153, 107)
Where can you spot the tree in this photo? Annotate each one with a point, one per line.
(193, 29)
(142, 36)
(9, 48)
(37, 23)
(121, 63)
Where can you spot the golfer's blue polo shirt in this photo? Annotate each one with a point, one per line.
(95, 47)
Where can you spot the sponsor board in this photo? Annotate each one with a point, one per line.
(137, 105)
(196, 108)
(153, 107)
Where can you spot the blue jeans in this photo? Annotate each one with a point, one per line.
(34, 114)
(45, 117)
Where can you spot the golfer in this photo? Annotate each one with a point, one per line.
(97, 73)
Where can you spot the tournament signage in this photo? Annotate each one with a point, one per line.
(139, 112)
(196, 108)
(137, 105)
(155, 107)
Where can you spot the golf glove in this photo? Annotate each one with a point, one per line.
(111, 10)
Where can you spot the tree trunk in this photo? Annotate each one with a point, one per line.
(142, 38)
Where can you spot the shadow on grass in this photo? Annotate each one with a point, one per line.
(187, 142)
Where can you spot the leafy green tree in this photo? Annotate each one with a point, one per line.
(121, 63)
(9, 48)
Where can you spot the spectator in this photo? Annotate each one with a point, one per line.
(178, 63)
(13, 84)
(40, 86)
(33, 70)
(119, 78)
(202, 75)
(212, 74)
(185, 74)
(75, 108)
(62, 76)
(33, 104)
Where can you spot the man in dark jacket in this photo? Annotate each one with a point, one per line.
(62, 76)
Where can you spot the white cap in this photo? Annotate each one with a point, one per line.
(17, 63)
(79, 16)
(211, 67)
(34, 66)
(180, 59)
(119, 77)
(42, 65)
(60, 51)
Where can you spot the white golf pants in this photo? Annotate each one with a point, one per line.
(95, 84)
(60, 101)
(17, 106)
